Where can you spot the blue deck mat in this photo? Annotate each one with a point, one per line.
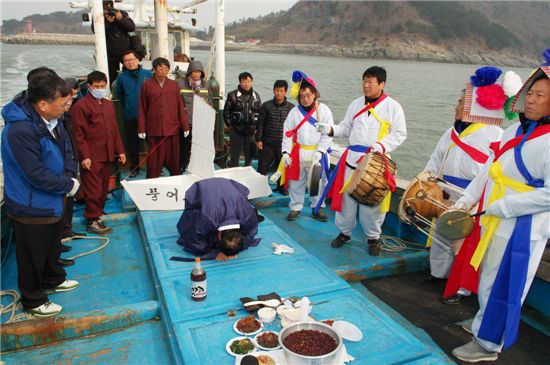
(145, 343)
(202, 329)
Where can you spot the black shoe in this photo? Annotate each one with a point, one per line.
(455, 299)
(72, 235)
(293, 215)
(430, 279)
(65, 262)
(283, 191)
(320, 216)
(65, 248)
(341, 240)
(374, 247)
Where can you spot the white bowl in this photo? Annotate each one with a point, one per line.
(247, 334)
(267, 315)
(228, 346)
(266, 348)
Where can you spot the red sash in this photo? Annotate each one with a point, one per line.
(538, 132)
(293, 171)
(474, 153)
(371, 105)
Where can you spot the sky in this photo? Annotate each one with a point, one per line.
(234, 9)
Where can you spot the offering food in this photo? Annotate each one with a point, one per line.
(242, 346)
(268, 340)
(328, 322)
(310, 343)
(248, 324)
(265, 360)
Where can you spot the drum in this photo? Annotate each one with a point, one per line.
(367, 185)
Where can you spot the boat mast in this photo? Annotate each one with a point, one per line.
(220, 48)
(100, 41)
(161, 26)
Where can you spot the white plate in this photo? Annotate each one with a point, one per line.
(348, 331)
(266, 348)
(278, 356)
(228, 346)
(247, 334)
(286, 322)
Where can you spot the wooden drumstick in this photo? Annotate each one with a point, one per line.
(451, 221)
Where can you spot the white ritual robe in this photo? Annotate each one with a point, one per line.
(456, 162)
(364, 131)
(307, 136)
(536, 156)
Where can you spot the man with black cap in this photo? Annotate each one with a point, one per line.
(303, 147)
(193, 84)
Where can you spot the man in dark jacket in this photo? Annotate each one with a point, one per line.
(240, 114)
(193, 84)
(36, 154)
(128, 88)
(269, 134)
(117, 26)
(218, 221)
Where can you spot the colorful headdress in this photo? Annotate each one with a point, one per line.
(487, 101)
(300, 78)
(518, 104)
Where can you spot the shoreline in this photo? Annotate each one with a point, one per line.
(406, 50)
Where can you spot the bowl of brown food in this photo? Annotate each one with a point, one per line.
(267, 340)
(248, 326)
(310, 343)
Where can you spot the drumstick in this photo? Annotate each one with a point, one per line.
(453, 221)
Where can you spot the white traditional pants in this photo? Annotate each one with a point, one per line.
(297, 189)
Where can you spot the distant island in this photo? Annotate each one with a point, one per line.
(499, 33)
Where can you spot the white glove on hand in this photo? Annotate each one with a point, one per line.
(495, 210)
(463, 203)
(141, 135)
(186, 134)
(377, 148)
(323, 128)
(76, 185)
(316, 158)
(286, 160)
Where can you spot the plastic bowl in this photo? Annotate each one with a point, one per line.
(267, 315)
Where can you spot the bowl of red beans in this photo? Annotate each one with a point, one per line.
(312, 343)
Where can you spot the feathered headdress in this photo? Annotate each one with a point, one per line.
(299, 78)
(486, 100)
(518, 104)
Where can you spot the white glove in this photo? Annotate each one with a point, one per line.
(323, 128)
(316, 158)
(275, 177)
(280, 249)
(286, 160)
(186, 134)
(141, 135)
(495, 209)
(76, 185)
(463, 203)
(377, 147)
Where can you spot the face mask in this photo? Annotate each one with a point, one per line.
(99, 93)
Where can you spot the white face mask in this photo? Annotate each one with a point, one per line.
(99, 93)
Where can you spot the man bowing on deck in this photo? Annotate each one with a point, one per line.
(218, 221)
(373, 123)
(516, 196)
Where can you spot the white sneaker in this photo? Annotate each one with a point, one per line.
(473, 352)
(466, 325)
(64, 286)
(47, 309)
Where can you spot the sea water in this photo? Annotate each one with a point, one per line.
(427, 91)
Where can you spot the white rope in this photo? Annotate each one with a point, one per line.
(13, 307)
(105, 239)
(396, 244)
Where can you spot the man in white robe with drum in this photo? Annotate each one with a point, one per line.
(373, 123)
(459, 156)
(303, 147)
(514, 190)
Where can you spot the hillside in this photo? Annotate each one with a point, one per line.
(466, 32)
(57, 22)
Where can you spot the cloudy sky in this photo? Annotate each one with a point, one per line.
(234, 9)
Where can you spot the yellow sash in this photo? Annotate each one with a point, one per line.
(385, 128)
(491, 223)
(281, 168)
(468, 131)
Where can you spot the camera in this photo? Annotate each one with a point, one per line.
(111, 12)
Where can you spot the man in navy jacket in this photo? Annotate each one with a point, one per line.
(218, 221)
(36, 155)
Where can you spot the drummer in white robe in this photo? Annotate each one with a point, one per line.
(303, 146)
(517, 202)
(458, 164)
(374, 122)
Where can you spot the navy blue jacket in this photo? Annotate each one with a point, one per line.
(35, 164)
(211, 204)
(128, 86)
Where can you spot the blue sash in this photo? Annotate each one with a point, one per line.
(355, 148)
(458, 181)
(304, 112)
(503, 311)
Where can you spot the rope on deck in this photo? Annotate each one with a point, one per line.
(396, 244)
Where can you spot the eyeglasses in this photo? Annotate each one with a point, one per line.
(129, 60)
(307, 96)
